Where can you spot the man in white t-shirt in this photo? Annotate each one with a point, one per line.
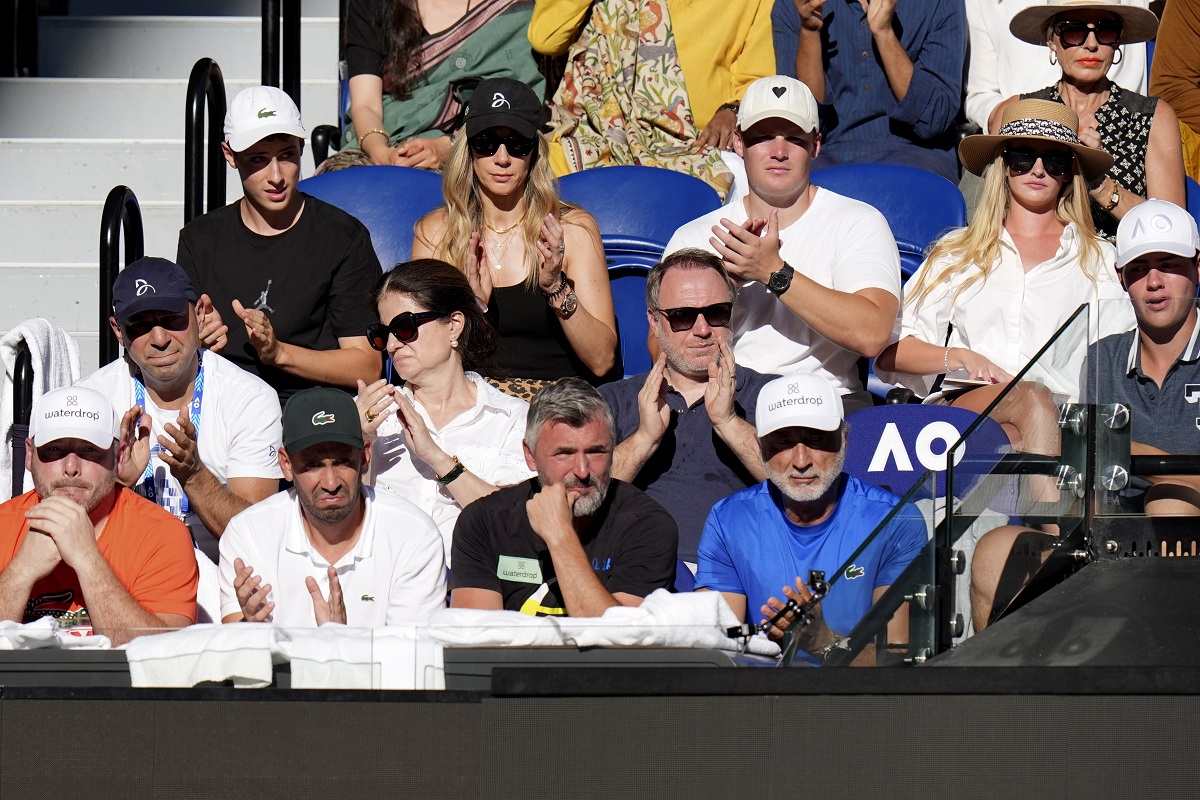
(819, 273)
(208, 431)
(330, 549)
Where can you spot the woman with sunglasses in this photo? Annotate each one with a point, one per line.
(411, 62)
(447, 437)
(1141, 133)
(990, 295)
(536, 263)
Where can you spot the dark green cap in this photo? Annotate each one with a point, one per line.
(316, 416)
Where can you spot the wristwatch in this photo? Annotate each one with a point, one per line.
(781, 280)
(1114, 199)
(568, 305)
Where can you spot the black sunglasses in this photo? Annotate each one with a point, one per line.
(487, 143)
(683, 318)
(1073, 34)
(403, 327)
(1056, 162)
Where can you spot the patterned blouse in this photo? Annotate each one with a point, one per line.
(1124, 125)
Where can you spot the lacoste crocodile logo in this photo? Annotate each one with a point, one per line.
(323, 418)
(853, 572)
(263, 113)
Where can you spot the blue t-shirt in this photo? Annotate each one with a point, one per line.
(750, 547)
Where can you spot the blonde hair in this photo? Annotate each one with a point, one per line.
(464, 205)
(978, 244)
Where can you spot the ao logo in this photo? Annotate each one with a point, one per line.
(891, 445)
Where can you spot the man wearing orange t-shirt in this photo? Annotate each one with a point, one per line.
(81, 548)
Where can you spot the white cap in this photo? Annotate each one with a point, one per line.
(73, 412)
(1156, 226)
(798, 401)
(779, 96)
(259, 112)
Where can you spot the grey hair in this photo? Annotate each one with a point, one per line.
(687, 258)
(570, 400)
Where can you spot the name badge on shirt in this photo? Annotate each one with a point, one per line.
(520, 570)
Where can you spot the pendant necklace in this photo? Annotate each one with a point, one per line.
(499, 245)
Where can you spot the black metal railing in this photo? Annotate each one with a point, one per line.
(22, 401)
(18, 38)
(121, 215)
(206, 86)
(281, 20)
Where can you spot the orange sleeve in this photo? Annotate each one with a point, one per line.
(166, 574)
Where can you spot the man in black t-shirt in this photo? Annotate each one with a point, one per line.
(571, 541)
(295, 271)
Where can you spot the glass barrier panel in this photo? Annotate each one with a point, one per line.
(1017, 503)
(878, 604)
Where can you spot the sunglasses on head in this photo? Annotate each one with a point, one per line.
(1056, 162)
(1073, 34)
(683, 318)
(487, 143)
(403, 327)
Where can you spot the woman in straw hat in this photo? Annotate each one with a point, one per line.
(990, 295)
(1141, 133)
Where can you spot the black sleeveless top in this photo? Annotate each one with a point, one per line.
(1124, 126)
(532, 342)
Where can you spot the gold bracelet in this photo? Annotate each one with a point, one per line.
(1114, 198)
(380, 131)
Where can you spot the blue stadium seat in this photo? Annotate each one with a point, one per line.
(638, 208)
(1193, 199)
(892, 445)
(628, 282)
(918, 205)
(388, 200)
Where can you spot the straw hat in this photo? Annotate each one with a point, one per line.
(1137, 24)
(1034, 119)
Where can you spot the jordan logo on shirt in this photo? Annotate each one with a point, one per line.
(261, 305)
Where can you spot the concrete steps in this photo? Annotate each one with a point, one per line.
(109, 110)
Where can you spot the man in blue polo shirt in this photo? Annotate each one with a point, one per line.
(686, 427)
(764, 540)
(1155, 369)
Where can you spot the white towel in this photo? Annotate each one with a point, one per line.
(55, 359)
(44, 634)
(336, 657)
(199, 653)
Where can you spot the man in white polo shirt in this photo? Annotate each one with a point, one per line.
(330, 549)
(819, 273)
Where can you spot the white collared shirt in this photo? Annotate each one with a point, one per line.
(1009, 316)
(394, 575)
(486, 438)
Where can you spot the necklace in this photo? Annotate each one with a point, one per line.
(499, 246)
(505, 230)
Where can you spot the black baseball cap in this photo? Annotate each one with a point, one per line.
(503, 102)
(151, 284)
(320, 415)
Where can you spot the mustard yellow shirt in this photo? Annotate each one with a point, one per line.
(724, 45)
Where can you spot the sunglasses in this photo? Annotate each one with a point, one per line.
(1056, 162)
(403, 327)
(487, 143)
(1073, 34)
(682, 319)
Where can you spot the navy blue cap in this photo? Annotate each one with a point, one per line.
(151, 284)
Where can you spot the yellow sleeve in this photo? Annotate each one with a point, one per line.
(556, 24)
(723, 48)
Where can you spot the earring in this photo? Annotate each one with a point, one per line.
(454, 343)
(1117, 56)
(1053, 58)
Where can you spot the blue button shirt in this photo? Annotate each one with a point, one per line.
(861, 120)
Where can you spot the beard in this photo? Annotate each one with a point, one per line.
(330, 514)
(814, 492)
(88, 495)
(587, 504)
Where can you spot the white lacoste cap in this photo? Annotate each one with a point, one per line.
(259, 112)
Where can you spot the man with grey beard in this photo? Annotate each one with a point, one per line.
(80, 548)
(330, 549)
(763, 541)
(573, 541)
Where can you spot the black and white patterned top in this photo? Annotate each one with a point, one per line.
(1124, 125)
